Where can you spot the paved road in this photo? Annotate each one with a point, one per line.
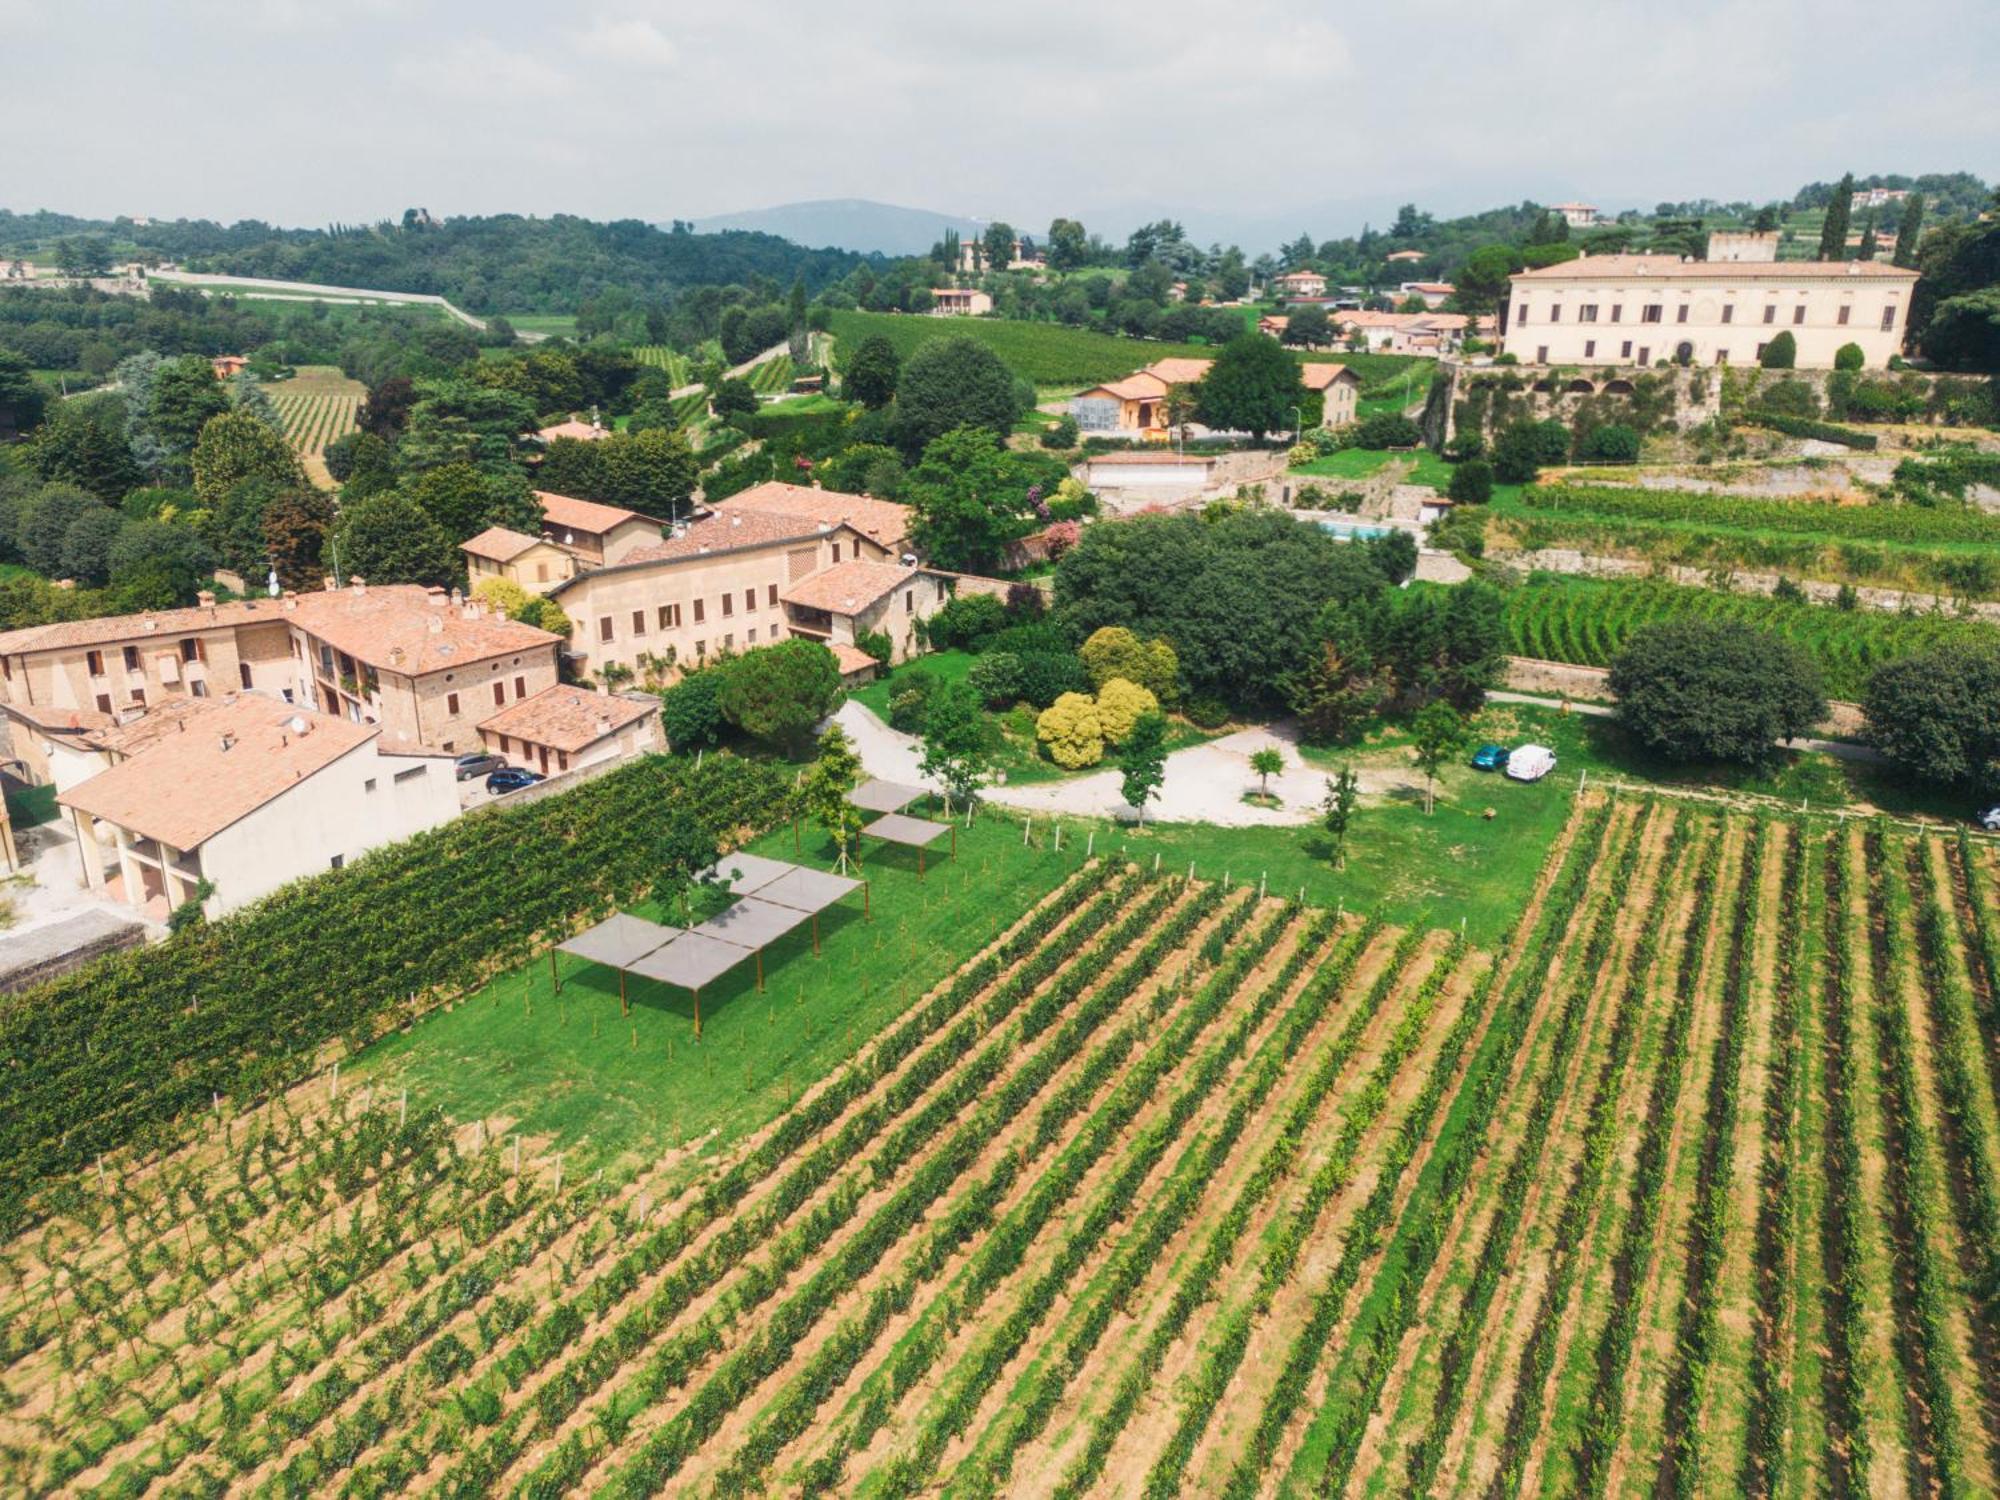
(1838, 749)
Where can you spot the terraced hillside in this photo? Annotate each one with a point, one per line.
(317, 405)
(1173, 1189)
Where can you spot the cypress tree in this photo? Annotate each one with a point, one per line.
(1833, 228)
(1867, 250)
(1907, 231)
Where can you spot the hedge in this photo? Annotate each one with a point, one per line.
(1805, 427)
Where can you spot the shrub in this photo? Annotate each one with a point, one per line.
(1849, 357)
(1782, 353)
(1071, 731)
(1207, 713)
(1071, 500)
(1386, 429)
(1115, 651)
(1029, 638)
(1613, 443)
(1025, 603)
(1464, 445)
(1047, 675)
(1472, 482)
(1119, 705)
(877, 644)
(690, 713)
(1792, 397)
(909, 699)
(967, 622)
(996, 678)
(1523, 449)
(1062, 433)
(1806, 427)
(1059, 538)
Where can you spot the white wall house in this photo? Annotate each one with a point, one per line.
(1641, 309)
(249, 795)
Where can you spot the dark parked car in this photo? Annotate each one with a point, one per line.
(479, 763)
(1490, 758)
(511, 779)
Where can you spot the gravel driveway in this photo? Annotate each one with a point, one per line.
(1205, 783)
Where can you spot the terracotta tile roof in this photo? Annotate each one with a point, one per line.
(168, 716)
(60, 720)
(1178, 371)
(1443, 288)
(1139, 387)
(850, 659)
(725, 531)
(1319, 375)
(1404, 255)
(567, 718)
(1149, 458)
(1303, 276)
(406, 629)
(1670, 268)
(882, 521)
(108, 630)
(499, 543)
(847, 588)
(185, 787)
(583, 431)
(566, 512)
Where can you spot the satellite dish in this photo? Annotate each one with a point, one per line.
(271, 584)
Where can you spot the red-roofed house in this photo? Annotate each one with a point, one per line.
(1300, 284)
(568, 728)
(247, 794)
(536, 563)
(596, 533)
(1136, 405)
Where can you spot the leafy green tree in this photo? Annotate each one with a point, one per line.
(1482, 280)
(388, 538)
(1436, 735)
(461, 421)
(1252, 387)
(235, 446)
(1849, 357)
(1936, 714)
(1343, 796)
(1267, 762)
(1143, 759)
(650, 472)
(84, 443)
(186, 396)
(1909, 230)
(968, 500)
(1833, 228)
(86, 546)
(83, 255)
(1715, 690)
(1471, 482)
(463, 500)
(22, 398)
(155, 565)
(1524, 447)
(732, 398)
(1612, 443)
(45, 521)
(296, 526)
(362, 465)
(999, 240)
(1866, 250)
(957, 746)
(827, 784)
(951, 383)
(1069, 246)
(691, 710)
(780, 693)
(1307, 327)
(1781, 353)
(871, 373)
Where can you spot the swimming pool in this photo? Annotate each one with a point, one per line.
(1349, 531)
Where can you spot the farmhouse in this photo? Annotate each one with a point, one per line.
(1577, 215)
(726, 583)
(1430, 293)
(536, 563)
(1137, 404)
(1296, 286)
(959, 302)
(1404, 257)
(246, 793)
(570, 728)
(1641, 309)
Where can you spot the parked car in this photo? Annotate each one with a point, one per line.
(511, 779)
(1531, 762)
(1490, 758)
(479, 763)
(1990, 820)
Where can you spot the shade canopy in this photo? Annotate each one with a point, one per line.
(807, 890)
(752, 923)
(885, 796)
(691, 961)
(740, 874)
(899, 828)
(618, 941)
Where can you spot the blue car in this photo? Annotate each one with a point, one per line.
(1490, 758)
(511, 779)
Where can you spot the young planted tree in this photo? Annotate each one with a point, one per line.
(1438, 733)
(824, 789)
(1266, 763)
(957, 748)
(1143, 757)
(1343, 795)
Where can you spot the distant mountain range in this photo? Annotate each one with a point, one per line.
(848, 224)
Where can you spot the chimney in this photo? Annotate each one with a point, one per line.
(206, 599)
(356, 582)
(435, 624)
(330, 583)
(603, 726)
(149, 626)
(395, 656)
(228, 742)
(456, 596)
(734, 519)
(434, 596)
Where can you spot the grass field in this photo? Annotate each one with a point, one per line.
(1358, 463)
(1676, 1183)
(317, 405)
(553, 325)
(1588, 620)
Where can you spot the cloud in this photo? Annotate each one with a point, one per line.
(480, 68)
(634, 41)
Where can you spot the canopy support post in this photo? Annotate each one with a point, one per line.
(554, 977)
(624, 1005)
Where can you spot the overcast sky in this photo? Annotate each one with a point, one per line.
(1229, 116)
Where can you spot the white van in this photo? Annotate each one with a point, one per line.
(1531, 762)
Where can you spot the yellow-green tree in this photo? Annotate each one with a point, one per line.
(1119, 705)
(1071, 730)
(1114, 651)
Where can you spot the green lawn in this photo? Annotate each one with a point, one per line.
(555, 325)
(573, 1073)
(1359, 463)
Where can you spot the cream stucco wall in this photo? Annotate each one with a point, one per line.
(1603, 320)
(125, 677)
(442, 709)
(537, 570)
